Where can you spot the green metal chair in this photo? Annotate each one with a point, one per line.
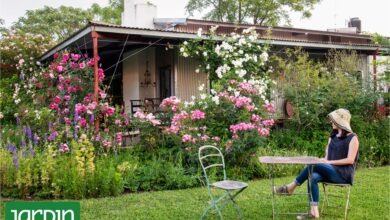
(228, 185)
(347, 187)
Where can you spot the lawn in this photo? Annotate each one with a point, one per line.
(370, 198)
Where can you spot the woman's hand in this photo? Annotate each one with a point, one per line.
(324, 161)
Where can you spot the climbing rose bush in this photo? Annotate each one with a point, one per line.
(66, 89)
(237, 113)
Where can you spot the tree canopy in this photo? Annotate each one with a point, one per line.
(55, 23)
(261, 12)
(110, 14)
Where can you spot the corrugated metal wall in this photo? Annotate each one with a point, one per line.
(187, 80)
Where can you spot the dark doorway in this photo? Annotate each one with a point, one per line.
(165, 82)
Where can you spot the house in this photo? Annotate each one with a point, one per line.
(141, 60)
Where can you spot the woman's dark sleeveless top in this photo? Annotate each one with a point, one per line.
(338, 149)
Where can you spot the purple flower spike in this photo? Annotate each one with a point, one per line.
(17, 121)
(49, 125)
(10, 147)
(29, 135)
(23, 147)
(13, 149)
(36, 139)
(92, 118)
(15, 155)
(24, 130)
(53, 136)
(76, 116)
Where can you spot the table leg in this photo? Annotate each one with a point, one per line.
(270, 174)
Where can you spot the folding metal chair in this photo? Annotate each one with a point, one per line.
(327, 194)
(207, 162)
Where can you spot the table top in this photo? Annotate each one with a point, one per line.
(290, 160)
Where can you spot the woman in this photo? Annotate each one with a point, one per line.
(339, 163)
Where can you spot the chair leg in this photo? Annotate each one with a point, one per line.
(214, 204)
(325, 199)
(232, 200)
(347, 205)
(236, 206)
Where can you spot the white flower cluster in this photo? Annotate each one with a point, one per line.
(15, 96)
(222, 70)
(261, 85)
(37, 114)
(183, 52)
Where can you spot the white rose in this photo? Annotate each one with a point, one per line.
(264, 56)
(215, 99)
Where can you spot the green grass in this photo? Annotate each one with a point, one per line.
(370, 199)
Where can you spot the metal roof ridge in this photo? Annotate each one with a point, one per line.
(276, 27)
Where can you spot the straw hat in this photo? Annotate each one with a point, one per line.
(341, 117)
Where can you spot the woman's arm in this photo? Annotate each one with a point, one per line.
(352, 152)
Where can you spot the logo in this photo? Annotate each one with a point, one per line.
(42, 211)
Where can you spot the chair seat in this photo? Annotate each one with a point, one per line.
(230, 185)
(337, 184)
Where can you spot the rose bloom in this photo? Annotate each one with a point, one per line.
(186, 138)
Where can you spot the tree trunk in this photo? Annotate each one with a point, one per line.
(239, 12)
(219, 10)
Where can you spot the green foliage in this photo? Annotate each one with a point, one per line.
(7, 104)
(262, 12)
(316, 90)
(110, 14)
(53, 23)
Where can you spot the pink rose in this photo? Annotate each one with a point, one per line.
(65, 56)
(186, 138)
(82, 65)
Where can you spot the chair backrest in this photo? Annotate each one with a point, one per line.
(136, 105)
(209, 157)
(154, 104)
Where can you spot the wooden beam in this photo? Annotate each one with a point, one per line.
(95, 38)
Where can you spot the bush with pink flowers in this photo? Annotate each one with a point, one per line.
(237, 114)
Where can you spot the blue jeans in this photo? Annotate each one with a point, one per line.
(320, 173)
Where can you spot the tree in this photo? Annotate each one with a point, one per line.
(261, 12)
(53, 23)
(111, 14)
(2, 27)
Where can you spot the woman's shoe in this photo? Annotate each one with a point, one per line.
(281, 190)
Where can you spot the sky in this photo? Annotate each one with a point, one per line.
(374, 14)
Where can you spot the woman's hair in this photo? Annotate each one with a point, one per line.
(334, 132)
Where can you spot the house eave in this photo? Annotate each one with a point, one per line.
(81, 33)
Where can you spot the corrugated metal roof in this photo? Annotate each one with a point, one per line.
(286, 37)
(273, 37)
